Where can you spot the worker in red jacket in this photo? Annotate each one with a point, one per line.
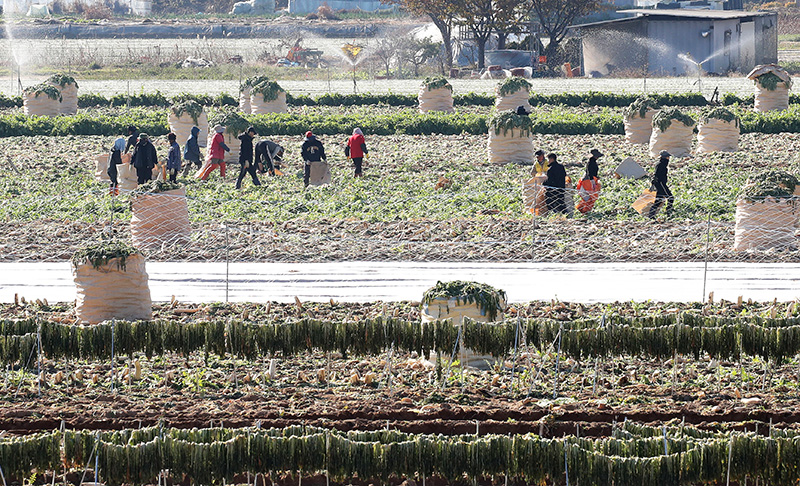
(356, 149)
(216, 154)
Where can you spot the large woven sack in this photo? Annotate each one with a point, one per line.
(510, 147)
(320, 174)
(643, 204)
(260, 107)
(440, 309)
(69, 99)
(637, 129)
(440, 99)
(244, 101)
(101, 168)
(40, 105)
(533, 193)
(766, 224)
(161, 218)
(717, 135)
(775, 100)
(521, 97)
(126, 174)
(676, 139)
(629, 169)
(182, 125)
(113, 291)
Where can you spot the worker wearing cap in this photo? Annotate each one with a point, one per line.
(660, 186)
(311, 151)
(591, 165)
(589, 186)
(246, 157)
(216, 154)
(540, 166)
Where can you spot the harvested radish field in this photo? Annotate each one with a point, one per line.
(458, 388)
(422, 198)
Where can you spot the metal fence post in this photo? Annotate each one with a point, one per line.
(705, 258)
(227, 264)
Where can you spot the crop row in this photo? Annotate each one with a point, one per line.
(611, 100)
(214, 456)
(662, 337)
(405, 121)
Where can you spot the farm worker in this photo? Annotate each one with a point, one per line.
(269, 152)
(191, 151)
(246, 157)
(660, 186)
(591, 165)
(540, 166)
(216, 154)
(589, 186)
(311, 151)
(144, 158)
(174, 157)
(115, 159)
(356, 149)
(133, 135)
(554, 186)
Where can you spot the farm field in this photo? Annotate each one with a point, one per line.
(623, 393)
(396, 212)
(733, 384)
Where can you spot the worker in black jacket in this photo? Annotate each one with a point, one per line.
(144, 158)
(311, 151)
(270, 154)
(246, 164)
(554, 186)
(660, 186)
(591, 165)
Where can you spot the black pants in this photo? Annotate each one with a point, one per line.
(306, 173)
(144, 175)
(112, 174)
(173, 175)
(251, 168)
(187, 166)
(662, 194)
(554, 198)
(357, 161)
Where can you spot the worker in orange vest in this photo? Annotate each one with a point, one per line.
(589, 185)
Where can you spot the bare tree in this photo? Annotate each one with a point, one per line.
(387, 50)
(555, 16)
(418, 51)
(484, 17)
(441, 12)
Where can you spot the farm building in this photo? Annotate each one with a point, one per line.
(307, 6)
(673, 42)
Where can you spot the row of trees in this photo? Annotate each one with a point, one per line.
(502, 17)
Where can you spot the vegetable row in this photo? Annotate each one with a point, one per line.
(657, 337)
(211, 456)
(613, 100)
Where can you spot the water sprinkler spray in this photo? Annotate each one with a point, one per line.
(352, 51)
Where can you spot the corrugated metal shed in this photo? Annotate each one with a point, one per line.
(677, 41)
